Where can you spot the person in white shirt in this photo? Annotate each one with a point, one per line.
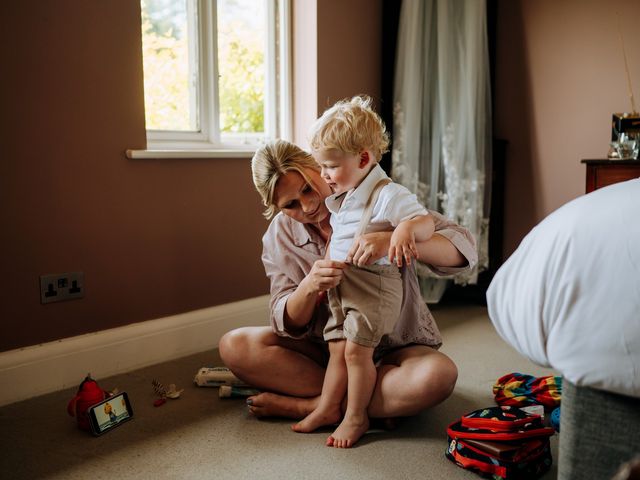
(347, 141)
(569, 298)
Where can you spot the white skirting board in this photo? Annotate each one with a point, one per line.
(39, 369)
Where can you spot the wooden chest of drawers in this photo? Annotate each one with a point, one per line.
(601, 173)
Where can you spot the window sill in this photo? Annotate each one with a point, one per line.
(218, 153)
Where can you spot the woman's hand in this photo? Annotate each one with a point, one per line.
(301, 304)
(368, 248)
(324, 274)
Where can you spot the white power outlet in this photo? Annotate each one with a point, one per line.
(61, 286)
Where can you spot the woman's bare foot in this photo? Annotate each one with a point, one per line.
(349, 431)
(318, 418)
(273, 405)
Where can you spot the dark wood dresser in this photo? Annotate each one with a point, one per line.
(601, 173)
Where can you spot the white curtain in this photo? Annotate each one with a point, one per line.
(442, 118)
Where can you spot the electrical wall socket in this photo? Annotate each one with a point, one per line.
(61, 286)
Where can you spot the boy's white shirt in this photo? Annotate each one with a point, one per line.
(394, 205)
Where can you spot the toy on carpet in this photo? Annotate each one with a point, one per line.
(165, 392)
(555, 419)
(217, 376)
(520, 390)
(227, 391)
(89, 393)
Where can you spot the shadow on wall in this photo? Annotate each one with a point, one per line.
(514, 122)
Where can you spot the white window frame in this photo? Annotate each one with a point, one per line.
(277, 96)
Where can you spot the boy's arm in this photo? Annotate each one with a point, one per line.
(403, 239)
(450, 250)
(422, 226)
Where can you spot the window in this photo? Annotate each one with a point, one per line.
(216, 73)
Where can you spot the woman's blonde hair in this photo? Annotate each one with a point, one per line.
(350, 126)
(271, 162)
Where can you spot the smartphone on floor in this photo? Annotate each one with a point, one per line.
(109, 413)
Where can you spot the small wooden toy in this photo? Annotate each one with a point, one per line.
(164, 392)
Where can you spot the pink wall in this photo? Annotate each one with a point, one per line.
(153, 237)
(559, 77)
(349, 50)
(304, 28)
(337, 54)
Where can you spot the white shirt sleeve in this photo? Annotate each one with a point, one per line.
(398, 204)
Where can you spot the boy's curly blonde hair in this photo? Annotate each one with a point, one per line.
(350, 126)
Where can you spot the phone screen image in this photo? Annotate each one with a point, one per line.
(110, 413)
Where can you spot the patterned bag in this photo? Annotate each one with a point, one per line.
(500, 443)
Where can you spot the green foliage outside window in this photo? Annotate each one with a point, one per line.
(241, 85)
(166, 73)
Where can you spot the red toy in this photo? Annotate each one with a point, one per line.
(89, 393)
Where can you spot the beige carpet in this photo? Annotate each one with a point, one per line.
(201, 436)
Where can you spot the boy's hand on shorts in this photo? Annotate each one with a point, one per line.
(368, 248)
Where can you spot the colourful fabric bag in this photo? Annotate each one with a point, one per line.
(500, 443)
(520, 390)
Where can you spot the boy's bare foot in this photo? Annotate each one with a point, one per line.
(268, 404)
(349, 431)
(318, 418)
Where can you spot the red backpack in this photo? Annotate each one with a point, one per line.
(500, 443)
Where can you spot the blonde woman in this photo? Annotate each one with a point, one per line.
(289, 358)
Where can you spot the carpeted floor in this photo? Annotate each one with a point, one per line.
(200, 436)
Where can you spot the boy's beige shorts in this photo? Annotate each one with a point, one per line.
(366, 304)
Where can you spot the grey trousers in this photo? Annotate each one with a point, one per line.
(599, 431)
